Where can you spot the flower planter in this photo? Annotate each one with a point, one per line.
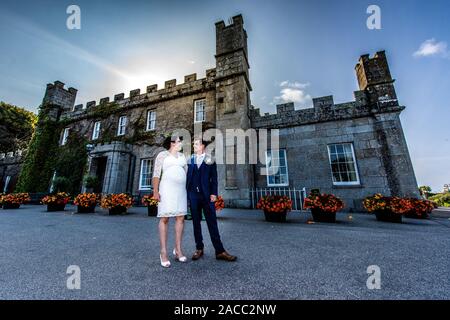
(90, 209)
(51, 207)
(388, 216)
(323, 216)
(117, 210)
(8, 205)
(275, 216)
(152, 211)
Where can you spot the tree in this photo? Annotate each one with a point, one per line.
(425, 190)
(17, 126)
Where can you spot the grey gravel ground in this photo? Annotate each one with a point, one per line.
(119, 257)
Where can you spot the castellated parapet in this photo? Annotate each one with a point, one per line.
(171, 90)
(323, 110)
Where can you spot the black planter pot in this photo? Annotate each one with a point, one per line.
(275, 216)
(388, 216)
(117, 210)
(9, 205)
(90, 209)
(414, 215)
(51, 207)
(322, 216)
(152, 211)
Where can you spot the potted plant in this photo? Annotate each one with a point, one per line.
(117, 203)
(388, 209)
(275, 207)
(56, 201)
(151, 204)
(421, 209)
(86, 202)
(323, 206)
(91, 183)
(14, 200)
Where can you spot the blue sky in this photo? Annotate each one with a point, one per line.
(297, 50)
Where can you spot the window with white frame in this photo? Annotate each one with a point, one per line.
(145, 179)
(343, 164)
(151, 120)
(199, 110)
(277, 168)
(122, 126)
(96, 131)
(65, 136)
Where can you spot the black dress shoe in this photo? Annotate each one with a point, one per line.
(225, 256)
(197, 255)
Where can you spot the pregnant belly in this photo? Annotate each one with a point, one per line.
(174, 174)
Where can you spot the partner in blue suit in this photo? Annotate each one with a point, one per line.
(201, 185)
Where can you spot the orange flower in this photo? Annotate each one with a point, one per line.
(58, 198)
(86, 200)
(116, 200)
(325, 202)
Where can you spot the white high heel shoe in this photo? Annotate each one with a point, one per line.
(181, 259)
(165, 264)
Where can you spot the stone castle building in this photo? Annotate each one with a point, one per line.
(351, 149)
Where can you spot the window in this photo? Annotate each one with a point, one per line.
(199, 110)
(277, 170)
(145, 180)
(151, 120)
(122, 125)
(343, 164)
(65, 136)
(96, 132)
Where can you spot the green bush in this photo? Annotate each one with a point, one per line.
(61, 184)
(91, 182)
(442, 199)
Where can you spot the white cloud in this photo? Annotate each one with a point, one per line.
(293, 92)
(432, 47)
(294, 84)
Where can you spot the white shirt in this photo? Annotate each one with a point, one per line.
(199, 159)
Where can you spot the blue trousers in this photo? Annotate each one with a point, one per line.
(199, 203)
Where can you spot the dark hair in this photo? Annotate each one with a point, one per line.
(203, 142)
(168, 141)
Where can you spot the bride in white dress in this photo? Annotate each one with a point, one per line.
(169, 187)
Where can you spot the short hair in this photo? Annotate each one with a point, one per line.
(168, 141)
(203, 142)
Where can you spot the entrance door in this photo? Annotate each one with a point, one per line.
(100, 165)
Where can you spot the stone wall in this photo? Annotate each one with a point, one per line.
(10, 164)
(380, 148)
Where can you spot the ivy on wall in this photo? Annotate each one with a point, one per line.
(71, 162)
(37, 169)
(44, 156)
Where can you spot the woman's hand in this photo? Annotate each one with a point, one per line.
(156, 196)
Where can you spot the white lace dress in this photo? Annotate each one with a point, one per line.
(172, 186)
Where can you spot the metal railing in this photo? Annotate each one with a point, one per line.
(296, 195)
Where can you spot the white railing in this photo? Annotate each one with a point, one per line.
(296, 195)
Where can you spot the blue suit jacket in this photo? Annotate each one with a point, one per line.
(208, 177)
